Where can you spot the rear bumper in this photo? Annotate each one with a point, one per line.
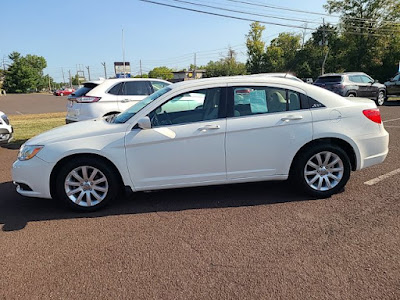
(373, 149)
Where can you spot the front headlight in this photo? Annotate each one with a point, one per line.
(27, 152)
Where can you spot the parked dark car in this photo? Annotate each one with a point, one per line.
(393, 86)
(353, 84)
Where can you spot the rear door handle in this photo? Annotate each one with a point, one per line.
(126, 100)
(291, 118)
(208, 127)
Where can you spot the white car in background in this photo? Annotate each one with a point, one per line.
(6, 130)
(244, 129)
(109, 97)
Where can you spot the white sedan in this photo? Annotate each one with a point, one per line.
(245, 129)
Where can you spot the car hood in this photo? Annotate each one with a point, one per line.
(78, 130)
(379, 85)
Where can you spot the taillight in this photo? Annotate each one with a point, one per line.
(87, 99)
(373, 114)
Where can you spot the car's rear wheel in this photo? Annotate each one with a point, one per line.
(321, 170)
(380, 100)
(86, 184)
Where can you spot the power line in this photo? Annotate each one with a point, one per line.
(258, 4)
(248, 19)
(275, 17)
(220, 15)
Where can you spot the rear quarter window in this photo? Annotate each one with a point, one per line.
(87, 87)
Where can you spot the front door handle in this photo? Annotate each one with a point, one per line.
(291, 118)
(208, 127)
(125, 100)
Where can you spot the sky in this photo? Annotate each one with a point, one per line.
(75, 34)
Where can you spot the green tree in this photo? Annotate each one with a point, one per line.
(25, 74)
(227, 66)
(255, 48)
(75, 80)
(161, 72)
(142, 76)
(368, 31)
(280, 55)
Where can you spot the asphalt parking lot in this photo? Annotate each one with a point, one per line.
(21, 104)
(246, 241)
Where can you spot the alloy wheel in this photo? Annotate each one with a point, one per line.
(86, 186)
(381, 98)
(323, 171)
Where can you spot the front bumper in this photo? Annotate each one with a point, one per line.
(32, 177)
(6, 135)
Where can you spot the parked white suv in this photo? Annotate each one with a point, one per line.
(6, 129)
(109, 97)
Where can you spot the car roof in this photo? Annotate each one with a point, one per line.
(341, 74)
(134, 79)
(262, 78)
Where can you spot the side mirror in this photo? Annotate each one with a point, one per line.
(144, 123)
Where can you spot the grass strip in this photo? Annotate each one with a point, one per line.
(27, 126)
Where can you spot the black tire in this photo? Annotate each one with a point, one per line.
(94, 187)
(381, 98)
(308, 156)
(351, 94)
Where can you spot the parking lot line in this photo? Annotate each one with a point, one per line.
(391, 120)
(382, 177)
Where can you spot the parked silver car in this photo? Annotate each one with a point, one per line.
(6, 130)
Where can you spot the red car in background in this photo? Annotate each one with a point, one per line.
(64, 92)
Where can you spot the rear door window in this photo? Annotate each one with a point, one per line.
(355, 78)
(261, 100)
(136, 88)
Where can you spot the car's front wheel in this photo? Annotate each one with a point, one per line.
(380, 100)
(321, 170)
(86, 184)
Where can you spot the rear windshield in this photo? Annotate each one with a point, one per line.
(329, 79)
(84, 90)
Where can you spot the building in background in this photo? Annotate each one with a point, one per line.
(187, 75)
(122, 69)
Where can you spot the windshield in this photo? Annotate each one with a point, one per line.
(130, 112)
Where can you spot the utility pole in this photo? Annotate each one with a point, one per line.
(304, 34)
(49, 83)
(105, 70)
(70, 79)
(88, 70)
(140, 68)
(323, 48)
(123, 52)
(194, 71)
(62, 70)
